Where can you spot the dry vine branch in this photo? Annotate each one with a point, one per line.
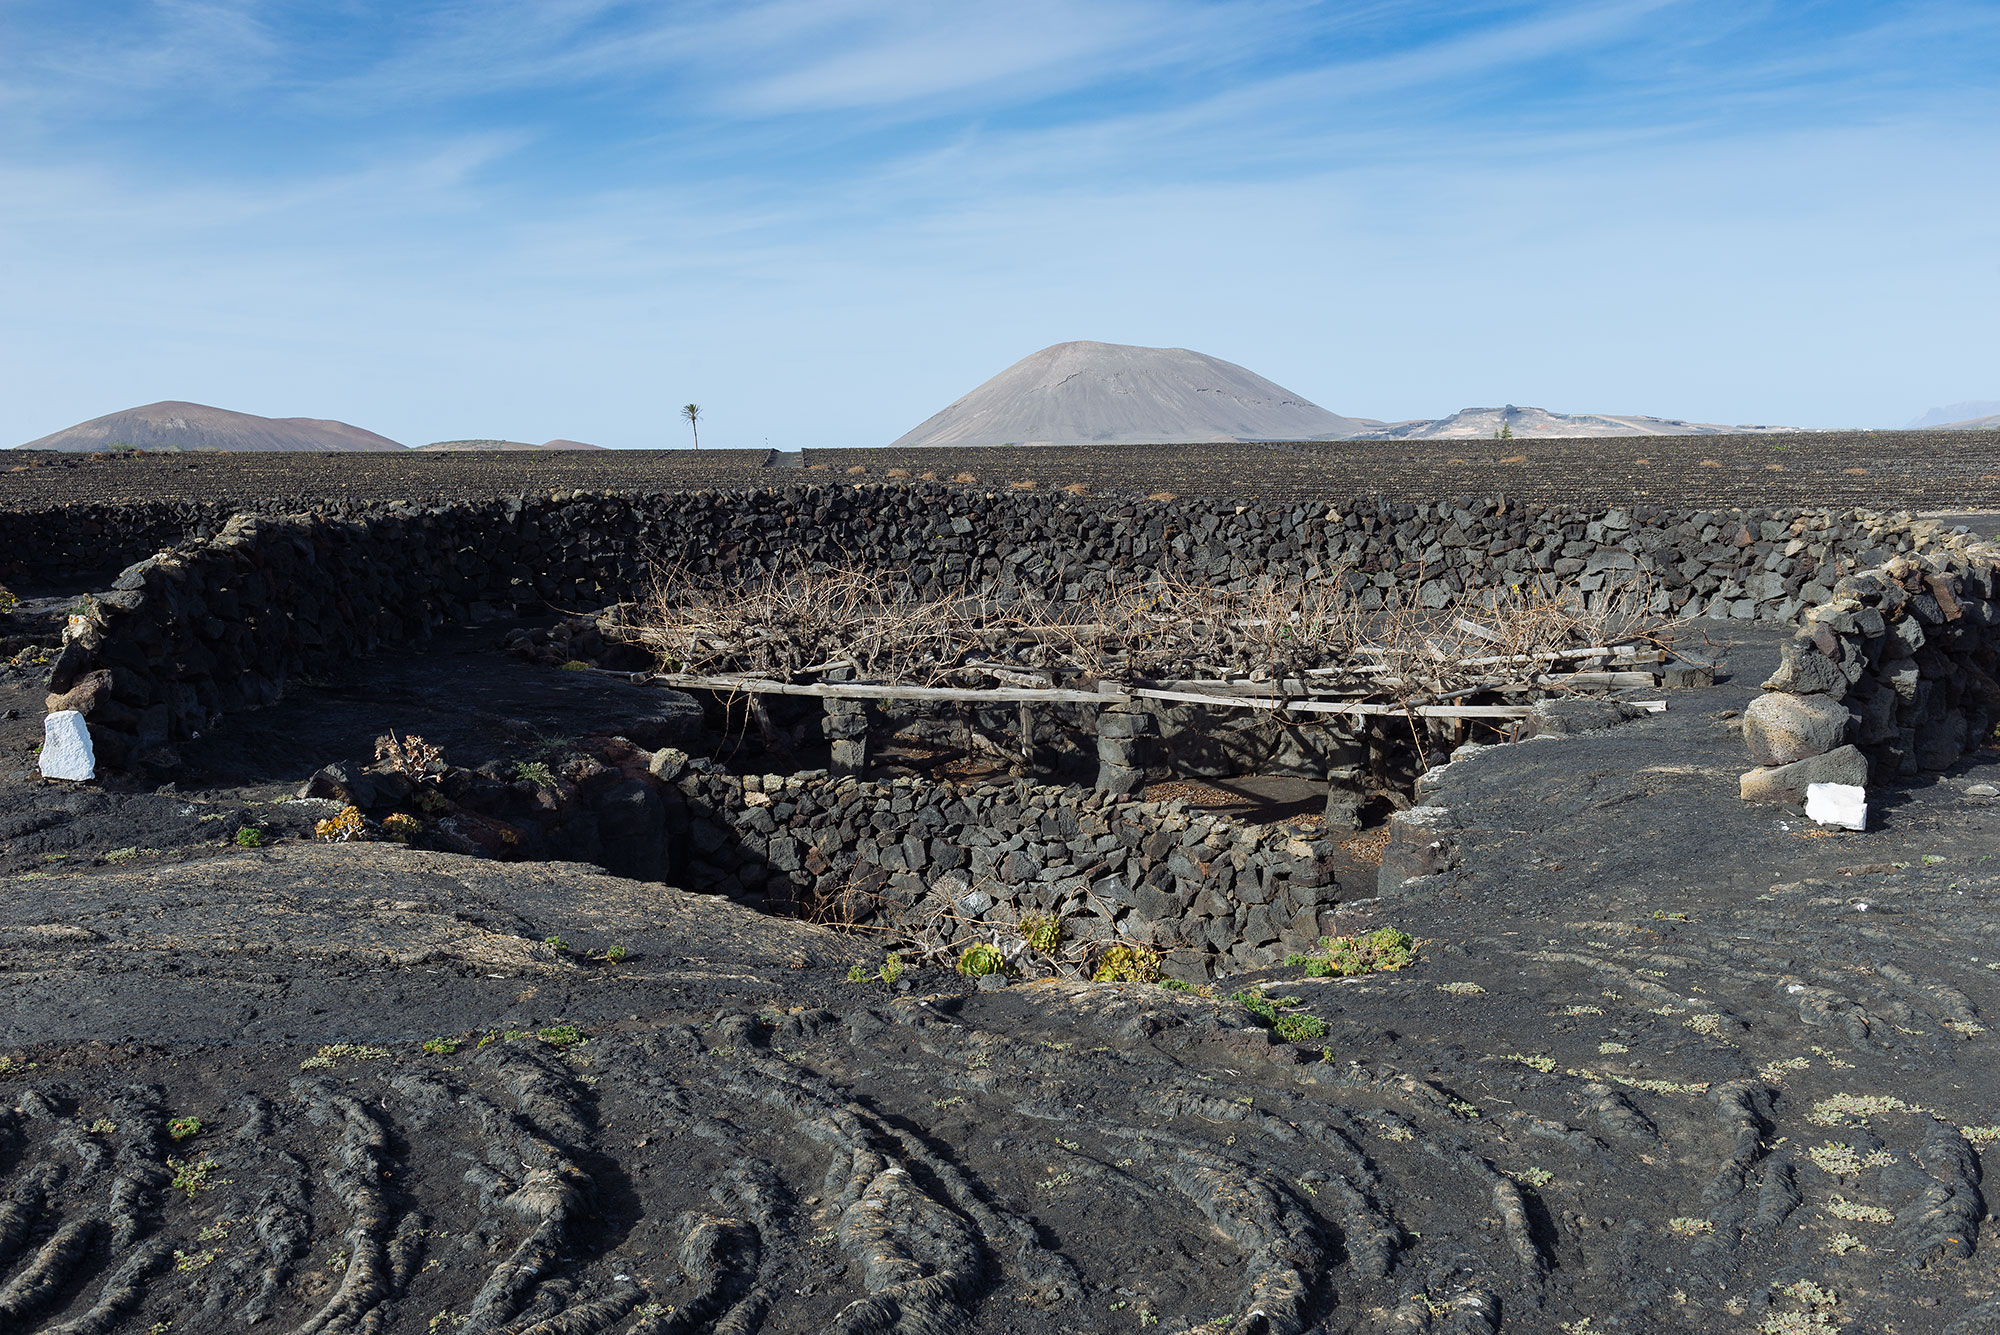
(844, 622)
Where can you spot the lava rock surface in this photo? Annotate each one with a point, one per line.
(1664, 1061)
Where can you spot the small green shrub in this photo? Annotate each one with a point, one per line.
(982, 960)
(181, 1128)
(555, 943)
(576, 665)
(560, 1035)
(892, 969)
(616, 954)
(1127, 964)
(1280, 1019)
(1043, 931)
(535, 772)
(192, 1176)
(402, 827)
(441, 1047)
(8, 602)
(1383, 950)
(1300, 1028)
(1259, 1005)
(334, 1053)
(249, 837)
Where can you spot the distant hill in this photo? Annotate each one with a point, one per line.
(173, 425)
(1484, 423)
(1986, 423)
(1971, 413)
(507, 445)
(1116, 394)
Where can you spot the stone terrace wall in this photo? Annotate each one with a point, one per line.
(1708, 562)
(1896, 675)
(966, 860)
(218, 624)
(77, 540)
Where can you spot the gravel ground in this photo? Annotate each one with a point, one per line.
(1884, 470)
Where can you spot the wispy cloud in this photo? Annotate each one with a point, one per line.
(833, 212)
(119, 63)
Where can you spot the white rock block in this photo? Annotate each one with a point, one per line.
(66, 749)
(1843, 804)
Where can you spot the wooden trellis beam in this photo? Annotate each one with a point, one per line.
(1105, 694)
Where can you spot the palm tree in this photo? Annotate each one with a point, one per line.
(693, 414)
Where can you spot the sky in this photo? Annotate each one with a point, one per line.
(824, 220)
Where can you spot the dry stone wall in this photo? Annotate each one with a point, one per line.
(957, 863)
(65, 543)
(219, 623)
(1740, 564)
(1894, 676)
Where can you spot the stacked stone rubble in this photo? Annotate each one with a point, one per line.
(1126, 746)
(1209, 894)
(846, 729)
(1894, 676)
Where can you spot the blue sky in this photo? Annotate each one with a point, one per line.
(825, 219)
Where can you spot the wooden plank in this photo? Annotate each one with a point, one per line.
(1012, 676)
(1623, 681)
(848, 690)
(1546, 656)
(852, 690)
(1336, 707)
(1293, 688)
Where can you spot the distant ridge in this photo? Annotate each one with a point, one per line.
(1954, 416)
(1088, 393)
(1986, 423)
(1484, 423)
(174, 425)
(506, 445)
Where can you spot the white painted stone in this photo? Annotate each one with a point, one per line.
(66, 749)
(1843, 804)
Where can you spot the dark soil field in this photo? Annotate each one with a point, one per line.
(1923, 470)
(1883, 470)
(1663, 1061)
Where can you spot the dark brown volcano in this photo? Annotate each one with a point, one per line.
(173, 425)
